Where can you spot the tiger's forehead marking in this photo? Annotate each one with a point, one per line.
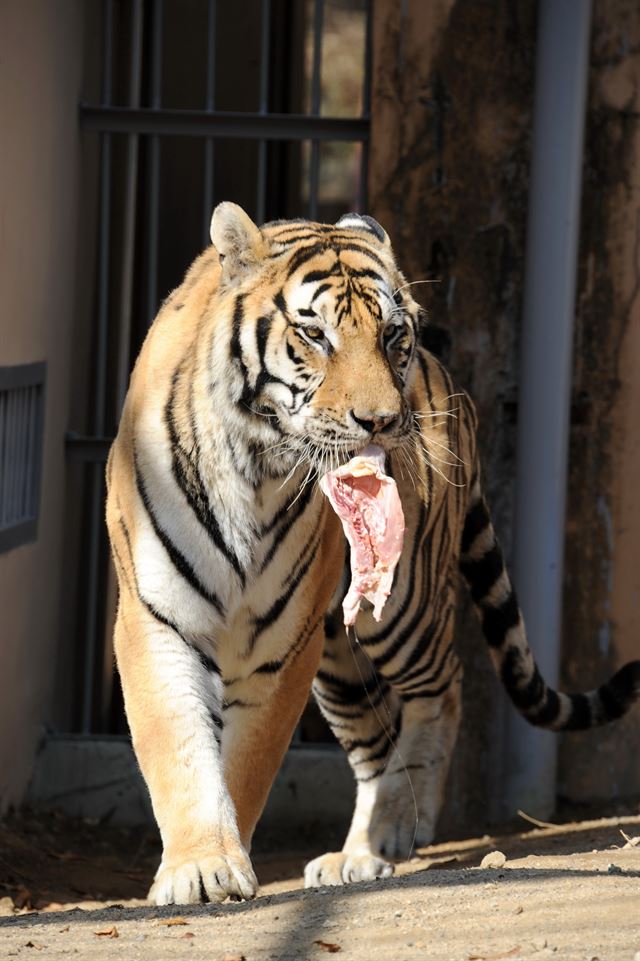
(340, 292)
(342, 272)
(304, 239)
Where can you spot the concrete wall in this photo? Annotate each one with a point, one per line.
(40, 75)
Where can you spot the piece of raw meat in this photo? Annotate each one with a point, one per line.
(367, 502)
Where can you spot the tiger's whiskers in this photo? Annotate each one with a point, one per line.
(413, 283)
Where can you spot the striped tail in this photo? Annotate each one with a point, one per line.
(483, 567)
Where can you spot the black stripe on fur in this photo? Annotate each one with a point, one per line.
(290, 519)
(187, 476)
(619, 692)
(267, 620)
(205, 659)
(176, 557)
(476, 521)
(346, 692)
(482, 573)
(498, 621)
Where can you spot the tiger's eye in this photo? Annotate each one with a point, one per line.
(315, 333)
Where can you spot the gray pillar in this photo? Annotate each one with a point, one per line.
(562, 63)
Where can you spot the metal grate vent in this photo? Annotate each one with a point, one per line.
(21, 423)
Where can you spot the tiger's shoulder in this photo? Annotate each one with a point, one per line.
(171, 345)
(176, 328)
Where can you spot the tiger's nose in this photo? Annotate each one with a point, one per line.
(374, 421)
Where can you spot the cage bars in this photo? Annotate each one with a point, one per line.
(144, 126)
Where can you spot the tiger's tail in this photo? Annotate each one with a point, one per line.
(483, 567)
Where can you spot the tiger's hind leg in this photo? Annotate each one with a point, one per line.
(411, 791)
(426, 675)
(399, 733)
(364, 714)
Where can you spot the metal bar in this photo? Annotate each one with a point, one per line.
(207, 203)
(8, 459)
(18, 453)
(265, 29)
(96, 480)
(21, 454)
(17, 456)
(28, 453)
(316, 70)
(363, 186)
(23, 461)
(15, 493)
(562, 64)
(11, 452)
(153, 165)
(201, 123)
(6, 448)
(316, 103)
(13, 460)
(23, 425)
(265, 32)
(103, 699)
(368, 54)
(83, 449)
(31, 451)
(39, 419)
(104, 229)
(210, 94)
(31, 511)
(3, 449)
(129, 224)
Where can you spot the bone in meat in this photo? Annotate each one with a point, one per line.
(367, 502)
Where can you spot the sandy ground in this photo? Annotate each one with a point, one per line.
(570, 892)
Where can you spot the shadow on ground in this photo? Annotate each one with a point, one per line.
(48, 861)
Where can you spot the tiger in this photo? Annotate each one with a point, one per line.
(286, 350)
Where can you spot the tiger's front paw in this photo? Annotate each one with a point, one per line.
(341, 868)
(395, 834)
(204, 877)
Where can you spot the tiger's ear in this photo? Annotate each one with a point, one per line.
(364, 222)
(239, 243)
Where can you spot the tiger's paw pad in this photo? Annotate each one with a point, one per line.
(339, 868)
(209, 878)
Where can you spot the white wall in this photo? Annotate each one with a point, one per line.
(40, 76)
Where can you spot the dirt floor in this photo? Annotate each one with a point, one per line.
(569, 891)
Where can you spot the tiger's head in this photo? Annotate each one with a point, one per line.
(323, 329)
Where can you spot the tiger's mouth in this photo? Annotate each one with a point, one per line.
(327, 453)
(324, 443)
